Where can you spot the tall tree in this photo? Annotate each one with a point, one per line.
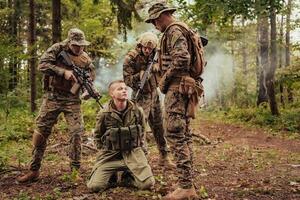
(15, 5)
(32, 53)
(287, 46)
(56, 21)
(244, 49)
(234, 91)
(281, 59)
(263, 58)
(273, 62)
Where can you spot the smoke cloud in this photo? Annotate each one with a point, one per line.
(108, 72)
(218, 73)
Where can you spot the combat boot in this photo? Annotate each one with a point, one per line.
(166, 162)
(182, 194)
(29, 177)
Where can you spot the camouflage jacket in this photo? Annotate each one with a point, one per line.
(53, 70)
(135, 62)
(134, 159)
(174, 58)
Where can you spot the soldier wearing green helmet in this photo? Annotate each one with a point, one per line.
(178, 85)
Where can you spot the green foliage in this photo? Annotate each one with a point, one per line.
(290, 75)
(96, 20)
(16, 124)
(70, 178)
(22, 196)
(3, 162)
(203, 192)
(203, 13)
(90, 109)
(289, 120)
(14, 153)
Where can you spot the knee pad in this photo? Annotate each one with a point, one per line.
(38, 139)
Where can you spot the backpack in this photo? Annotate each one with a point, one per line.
(195, 48)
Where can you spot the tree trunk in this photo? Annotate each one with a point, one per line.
(13, 21)
(56, 21)
(281, 60)
(272, 67)
(263, 58)
(244, 58)
(234, 91)
(32, 53)
(287, 46)
(244, 53)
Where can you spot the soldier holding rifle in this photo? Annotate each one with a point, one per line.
(62, 95)
(144, 86)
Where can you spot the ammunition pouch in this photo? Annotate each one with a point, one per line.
(38, 139)
(123, 138)
(188, 86)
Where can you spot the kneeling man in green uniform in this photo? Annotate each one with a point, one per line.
(119, 136)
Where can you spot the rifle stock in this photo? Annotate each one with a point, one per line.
(146, 75)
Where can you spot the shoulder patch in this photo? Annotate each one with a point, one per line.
(175, 33)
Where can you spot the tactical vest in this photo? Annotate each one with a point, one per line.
(123, 138)
(59, 83)
(140, 64)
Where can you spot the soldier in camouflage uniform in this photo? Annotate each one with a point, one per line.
(118, 134)
(58, 82)
(174, 64)
(134, 66)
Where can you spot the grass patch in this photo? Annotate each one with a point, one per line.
(288, 120)
(18, 124)
(14, 153)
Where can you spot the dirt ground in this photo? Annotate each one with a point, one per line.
(239, 163)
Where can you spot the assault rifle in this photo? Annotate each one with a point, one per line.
(146, 75)
(82, 76)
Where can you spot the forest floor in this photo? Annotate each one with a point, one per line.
(239, 163)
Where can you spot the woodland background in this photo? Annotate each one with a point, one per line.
(252, 77)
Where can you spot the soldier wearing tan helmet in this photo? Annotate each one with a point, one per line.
(134, 66)
(175, 58)
(58, 98)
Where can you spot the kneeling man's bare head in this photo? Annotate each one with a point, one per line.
(118, 90)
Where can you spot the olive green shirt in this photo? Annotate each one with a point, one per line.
(135, 159)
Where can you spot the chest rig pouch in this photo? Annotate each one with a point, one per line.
(123, 138)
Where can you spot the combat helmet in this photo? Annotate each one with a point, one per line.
(157, 9)
(148, 39)
(76, 37)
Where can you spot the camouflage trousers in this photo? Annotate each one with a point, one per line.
(46, 119)
(179, 136)
(153, 115)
